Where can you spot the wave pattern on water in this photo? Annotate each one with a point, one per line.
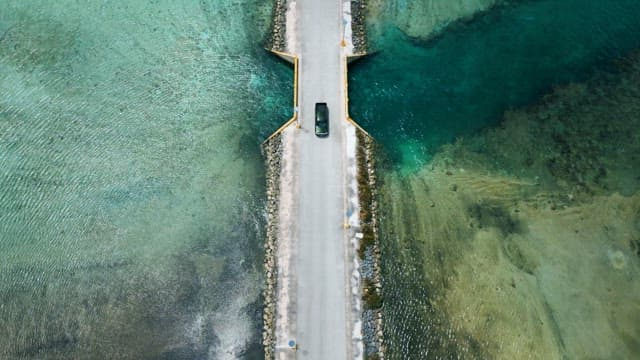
(131, 210)
(415, 96)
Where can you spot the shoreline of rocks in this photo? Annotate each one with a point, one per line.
(358, 27)
(369, 250)
(276, 38)
(272, 150)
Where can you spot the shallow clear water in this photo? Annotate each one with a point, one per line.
(415, 96)
(131, 209)
(520, 242)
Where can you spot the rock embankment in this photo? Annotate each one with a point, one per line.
(358, 27)
(272, 150)
(369, 250)
(277, 36)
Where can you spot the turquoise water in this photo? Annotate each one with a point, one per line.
(481, 258)
(415, 96)
(131, 210)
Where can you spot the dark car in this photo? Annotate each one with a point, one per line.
(322, 120)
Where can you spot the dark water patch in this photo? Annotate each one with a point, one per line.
(579, 138)
(254, 350)
(415, 97)
(635, 246)
(32, 41)
(272, 92)
(63, 343)
(487, 215)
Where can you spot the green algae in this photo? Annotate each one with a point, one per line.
(427, 94)
(522, 260)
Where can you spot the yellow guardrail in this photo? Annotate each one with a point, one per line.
(294, 118)
(295, 60)
(289, 57)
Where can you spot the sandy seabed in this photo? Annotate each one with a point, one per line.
(523, 242)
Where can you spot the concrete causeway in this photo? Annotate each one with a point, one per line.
(317, 293)
(321, 296)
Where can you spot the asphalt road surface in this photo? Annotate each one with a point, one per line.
(322, 315)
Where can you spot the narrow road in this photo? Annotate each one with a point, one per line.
(322, 316)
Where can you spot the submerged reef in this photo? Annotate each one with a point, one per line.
(425, 19)
(521, 242)
(582, 139)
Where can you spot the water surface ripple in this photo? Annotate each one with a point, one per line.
(414, 96)
(131, 209)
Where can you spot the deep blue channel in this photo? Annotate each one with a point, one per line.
(414, 96)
